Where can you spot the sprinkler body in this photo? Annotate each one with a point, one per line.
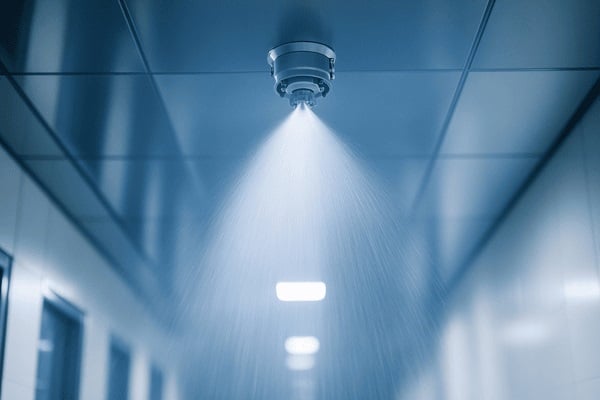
(303, 71)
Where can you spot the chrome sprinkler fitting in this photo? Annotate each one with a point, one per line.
(303, 71)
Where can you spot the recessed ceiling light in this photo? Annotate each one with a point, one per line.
(302, 345)
(300, 291)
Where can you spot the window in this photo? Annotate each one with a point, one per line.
(59, 351)
(118, 371)
(156, 384)
(5, 264)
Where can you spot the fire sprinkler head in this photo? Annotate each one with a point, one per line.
(303, 71)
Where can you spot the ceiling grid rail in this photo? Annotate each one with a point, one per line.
(455, 98)
(138, 44)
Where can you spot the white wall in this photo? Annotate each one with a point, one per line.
(49, 252)
(525, 323)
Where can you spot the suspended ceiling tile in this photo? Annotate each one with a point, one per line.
(389, 114)
(235, 36)
(103, 115)
(514, 112)
(541, 34)
(377, 114)
(19, 128)
(148, 188)
(473, 187)
(66, 36)
(222, 114)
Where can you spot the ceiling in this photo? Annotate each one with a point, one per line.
(135, 115)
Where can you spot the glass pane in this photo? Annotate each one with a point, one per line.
(58, 356)
(118, 373)
(156, 384)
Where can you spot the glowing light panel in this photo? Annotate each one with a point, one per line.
(300, 291)
(302, 345)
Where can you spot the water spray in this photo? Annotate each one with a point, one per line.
(303, 71)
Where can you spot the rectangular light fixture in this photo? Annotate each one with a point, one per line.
(302, 345)
(300, 291)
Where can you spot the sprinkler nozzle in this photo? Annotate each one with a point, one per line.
(302, 96)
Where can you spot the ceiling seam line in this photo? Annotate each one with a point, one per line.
(564, 133)
(133, 32)
(73, 162)
(256, 72)
(341, 71)
(81, 73)
(452, 107)
(535, 69)
(138, 43)
(448, 156)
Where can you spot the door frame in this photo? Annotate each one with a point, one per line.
(5, 270)
(70, 311)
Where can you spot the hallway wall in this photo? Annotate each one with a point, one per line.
(49, 253)
(525, 321)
